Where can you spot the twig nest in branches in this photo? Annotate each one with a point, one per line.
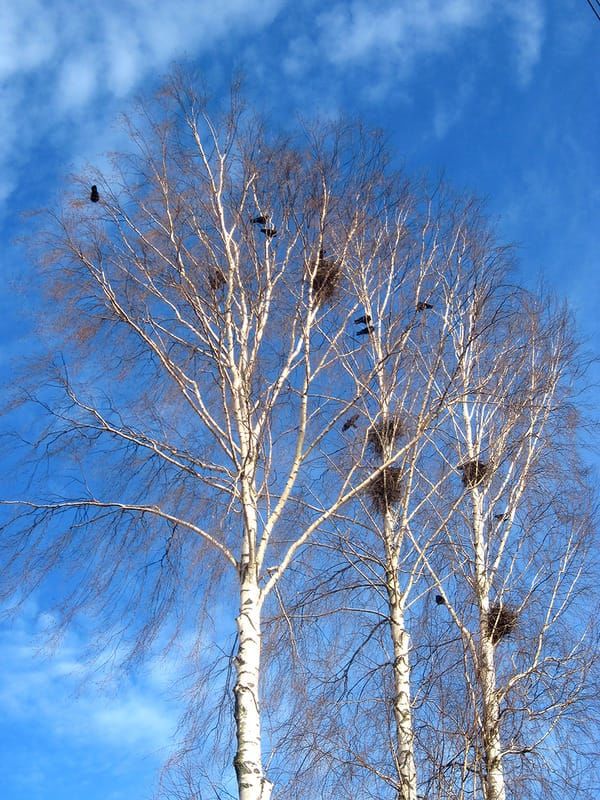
(474, 472)
(386, 490)
(216, 278)
(383, 435)
(325, 279)
(501, 621)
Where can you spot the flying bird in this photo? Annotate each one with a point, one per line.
(350, 422)
(365, 331)
(423, 306)
(362, 320)
(94, 196)
(259, 220)
(269, 232)
(440, 600)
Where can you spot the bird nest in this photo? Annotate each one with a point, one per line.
(474, 472)
(501, 621)
(325, 279)
(216, 279)
(383, 435)
(386, 489)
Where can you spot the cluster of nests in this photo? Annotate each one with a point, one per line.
(325, 278)
(501, 621)
(385, 490)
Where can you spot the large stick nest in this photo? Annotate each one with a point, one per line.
(325, 279)
(501, 621)
(383, 435)
(215, 278)
(385, 490)
(474, 472)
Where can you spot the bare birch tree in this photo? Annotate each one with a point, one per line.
(486, 554)
(407, 397)
(266, 346)
(202, 310)
(517, 520)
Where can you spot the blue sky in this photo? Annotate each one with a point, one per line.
(502, 98)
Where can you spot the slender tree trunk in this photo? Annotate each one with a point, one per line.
(252, 784)
(402, 706)
(494, 780)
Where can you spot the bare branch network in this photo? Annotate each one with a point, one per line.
(297, 402)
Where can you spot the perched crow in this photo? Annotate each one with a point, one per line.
(94, 196)
(362, 320)
(350, 422)
(260, 220)
(422, 306)
(440, 600)
(502, 517)
(365, 331)
(269, 232)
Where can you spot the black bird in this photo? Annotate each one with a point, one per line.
(365, 331)
(362, 320)
(423, 306)
(502, 517)
(350, 422)
(94, 196)
(269, 232)
(440, 600)
(260, 220)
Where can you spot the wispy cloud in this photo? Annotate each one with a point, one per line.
(59, 64)
(528, 23)
(401, 32)
(387, 41)
(72, 699)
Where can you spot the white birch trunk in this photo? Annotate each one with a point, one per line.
(402, 706)
(252, 784)
(494, 779)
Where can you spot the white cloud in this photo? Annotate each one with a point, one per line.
(57, 60)
(528, 22)
(76, 701)
(392, 38)
(402, 32)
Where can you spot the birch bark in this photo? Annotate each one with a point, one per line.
(402, 705)
(494, 779)
(252, 783)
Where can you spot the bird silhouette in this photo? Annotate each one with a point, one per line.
(423, 306)
(440, 600)
(269, 232)
(350, 422)
(94, 196)
(261, 219)
(362, 320)
(365, 331)
(502, 517)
